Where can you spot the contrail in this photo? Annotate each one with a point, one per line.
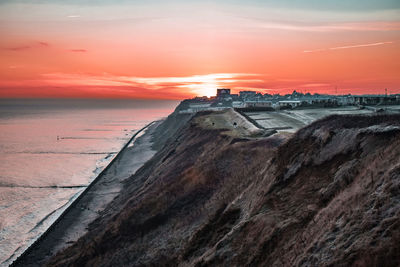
(348, 46)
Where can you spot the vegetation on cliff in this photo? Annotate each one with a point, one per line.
(219, 193)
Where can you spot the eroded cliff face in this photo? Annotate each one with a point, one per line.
(217, 195)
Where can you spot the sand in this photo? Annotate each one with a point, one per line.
(75, 221)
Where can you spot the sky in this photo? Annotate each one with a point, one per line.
(180, 49)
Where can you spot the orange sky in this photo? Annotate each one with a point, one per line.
(182, 49)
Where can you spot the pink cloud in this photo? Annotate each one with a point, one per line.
(78, 50)
(43, 44)
(18, 48)
(39, 44)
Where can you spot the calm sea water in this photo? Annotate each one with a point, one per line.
(50, 149)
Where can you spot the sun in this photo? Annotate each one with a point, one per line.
(205, 85)
(208, 89)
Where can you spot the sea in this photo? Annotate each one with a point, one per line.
(50, 150)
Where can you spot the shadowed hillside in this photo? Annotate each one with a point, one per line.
(216, 194)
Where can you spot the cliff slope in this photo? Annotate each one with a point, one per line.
(218, 193)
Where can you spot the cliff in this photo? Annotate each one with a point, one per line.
(222, 192)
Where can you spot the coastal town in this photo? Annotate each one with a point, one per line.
(255, 101)
(288, 113)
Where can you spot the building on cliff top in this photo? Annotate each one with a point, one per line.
(223, 92)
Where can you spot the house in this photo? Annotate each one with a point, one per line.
(289, 103)
(376, 100)
(223, 93)
(247, 94)
(258, 104)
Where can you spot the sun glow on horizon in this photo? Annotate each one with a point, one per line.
(181, 50)
(204, 89)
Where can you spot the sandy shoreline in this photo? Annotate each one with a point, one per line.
(73, 223)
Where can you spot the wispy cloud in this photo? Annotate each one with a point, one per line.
(43, 44)
(18, 48)
(78, 50)
(27, 46)
(195, 84)
(307, 85)
(347, 46)
(327, 27)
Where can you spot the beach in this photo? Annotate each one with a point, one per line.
(74, 222)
